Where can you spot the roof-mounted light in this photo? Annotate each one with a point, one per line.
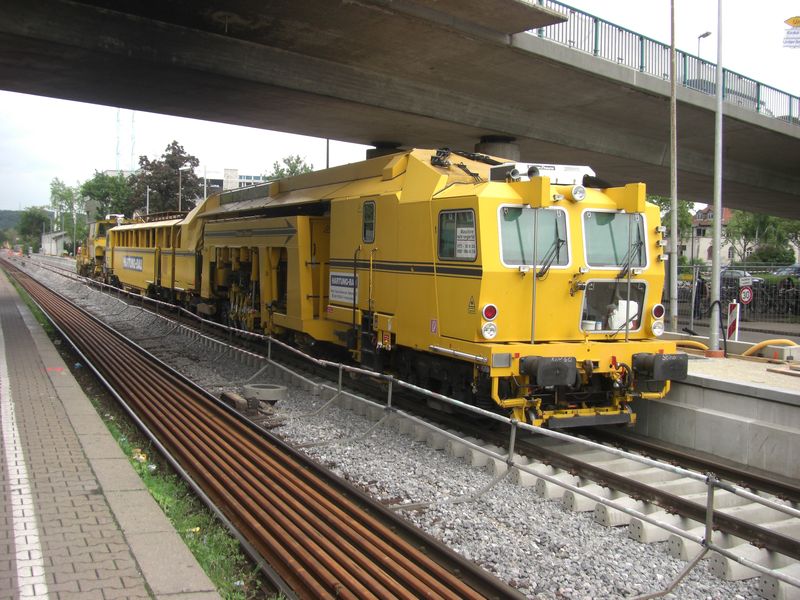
(577, 193)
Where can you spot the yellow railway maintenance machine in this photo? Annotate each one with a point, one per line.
(528, 288)
(91, 258)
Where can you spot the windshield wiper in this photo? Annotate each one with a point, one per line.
(630, 320)
(626, 264)
(550, 256)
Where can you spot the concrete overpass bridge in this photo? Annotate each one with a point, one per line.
(415, 73)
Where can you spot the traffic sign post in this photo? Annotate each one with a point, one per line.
(733, 321)
(745, 294)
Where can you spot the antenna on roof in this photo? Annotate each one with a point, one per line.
(133, 140)
(118, 129)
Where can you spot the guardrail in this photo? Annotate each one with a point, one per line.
(586, 33)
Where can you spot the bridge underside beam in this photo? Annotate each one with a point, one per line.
(421, 83)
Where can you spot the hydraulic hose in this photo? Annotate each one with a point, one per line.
(691, 344)
(765, 343)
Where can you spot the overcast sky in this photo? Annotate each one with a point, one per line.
(42, 138)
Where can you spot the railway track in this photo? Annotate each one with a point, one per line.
(321, 537)
(766, 537)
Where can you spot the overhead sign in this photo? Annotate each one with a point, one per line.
(746, 295)
(791, 39)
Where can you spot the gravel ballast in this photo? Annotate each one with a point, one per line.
(534, 544)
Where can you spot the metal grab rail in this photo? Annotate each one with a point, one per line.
(586, 33)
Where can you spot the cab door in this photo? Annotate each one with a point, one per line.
(319, 262)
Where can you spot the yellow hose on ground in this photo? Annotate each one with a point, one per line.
(691, 344)
(765, 343)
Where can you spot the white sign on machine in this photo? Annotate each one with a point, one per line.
(466, 246)
(343, 287)
(132, 263)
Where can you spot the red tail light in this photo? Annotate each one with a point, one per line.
(489, 312)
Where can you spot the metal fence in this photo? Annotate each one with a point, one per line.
(590, 34)
(773, 299)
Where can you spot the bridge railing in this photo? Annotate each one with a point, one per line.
(590, 34)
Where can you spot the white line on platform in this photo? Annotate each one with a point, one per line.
(28, 552)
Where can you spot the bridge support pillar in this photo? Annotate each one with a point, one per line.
(500, 146)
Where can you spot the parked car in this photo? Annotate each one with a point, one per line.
(730, 277)
(792, 271)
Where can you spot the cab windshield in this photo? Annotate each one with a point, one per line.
(614, 239)
(517, 236)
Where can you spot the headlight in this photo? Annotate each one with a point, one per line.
(657, 328)
(577, 193)
(489, 331)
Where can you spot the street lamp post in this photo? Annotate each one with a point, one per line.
(699, 60)
(185, 168)
(673, 178)
(713, 338)
(700, 37)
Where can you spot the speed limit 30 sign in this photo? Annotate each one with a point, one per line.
(745, 294)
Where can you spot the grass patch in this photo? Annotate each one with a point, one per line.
(216, 550)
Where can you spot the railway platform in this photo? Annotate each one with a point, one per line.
(77, 522)
(744, 411)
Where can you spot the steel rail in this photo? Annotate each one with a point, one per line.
(755, 534)
(316, 538)
(786, 489)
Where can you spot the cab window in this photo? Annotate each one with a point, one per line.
(457, 237)
(614, 239)
(528, 233)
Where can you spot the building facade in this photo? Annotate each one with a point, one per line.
(699, 246)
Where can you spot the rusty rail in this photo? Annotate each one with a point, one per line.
(316, 536)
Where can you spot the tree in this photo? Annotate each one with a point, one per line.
(164, 177)
(684, 216)
(772, 254)
(64, 200)
(7, 236)
(107, 194)
(746, 232)
(791, 229)
(69, 205)
(32, 224)
(292, 165)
